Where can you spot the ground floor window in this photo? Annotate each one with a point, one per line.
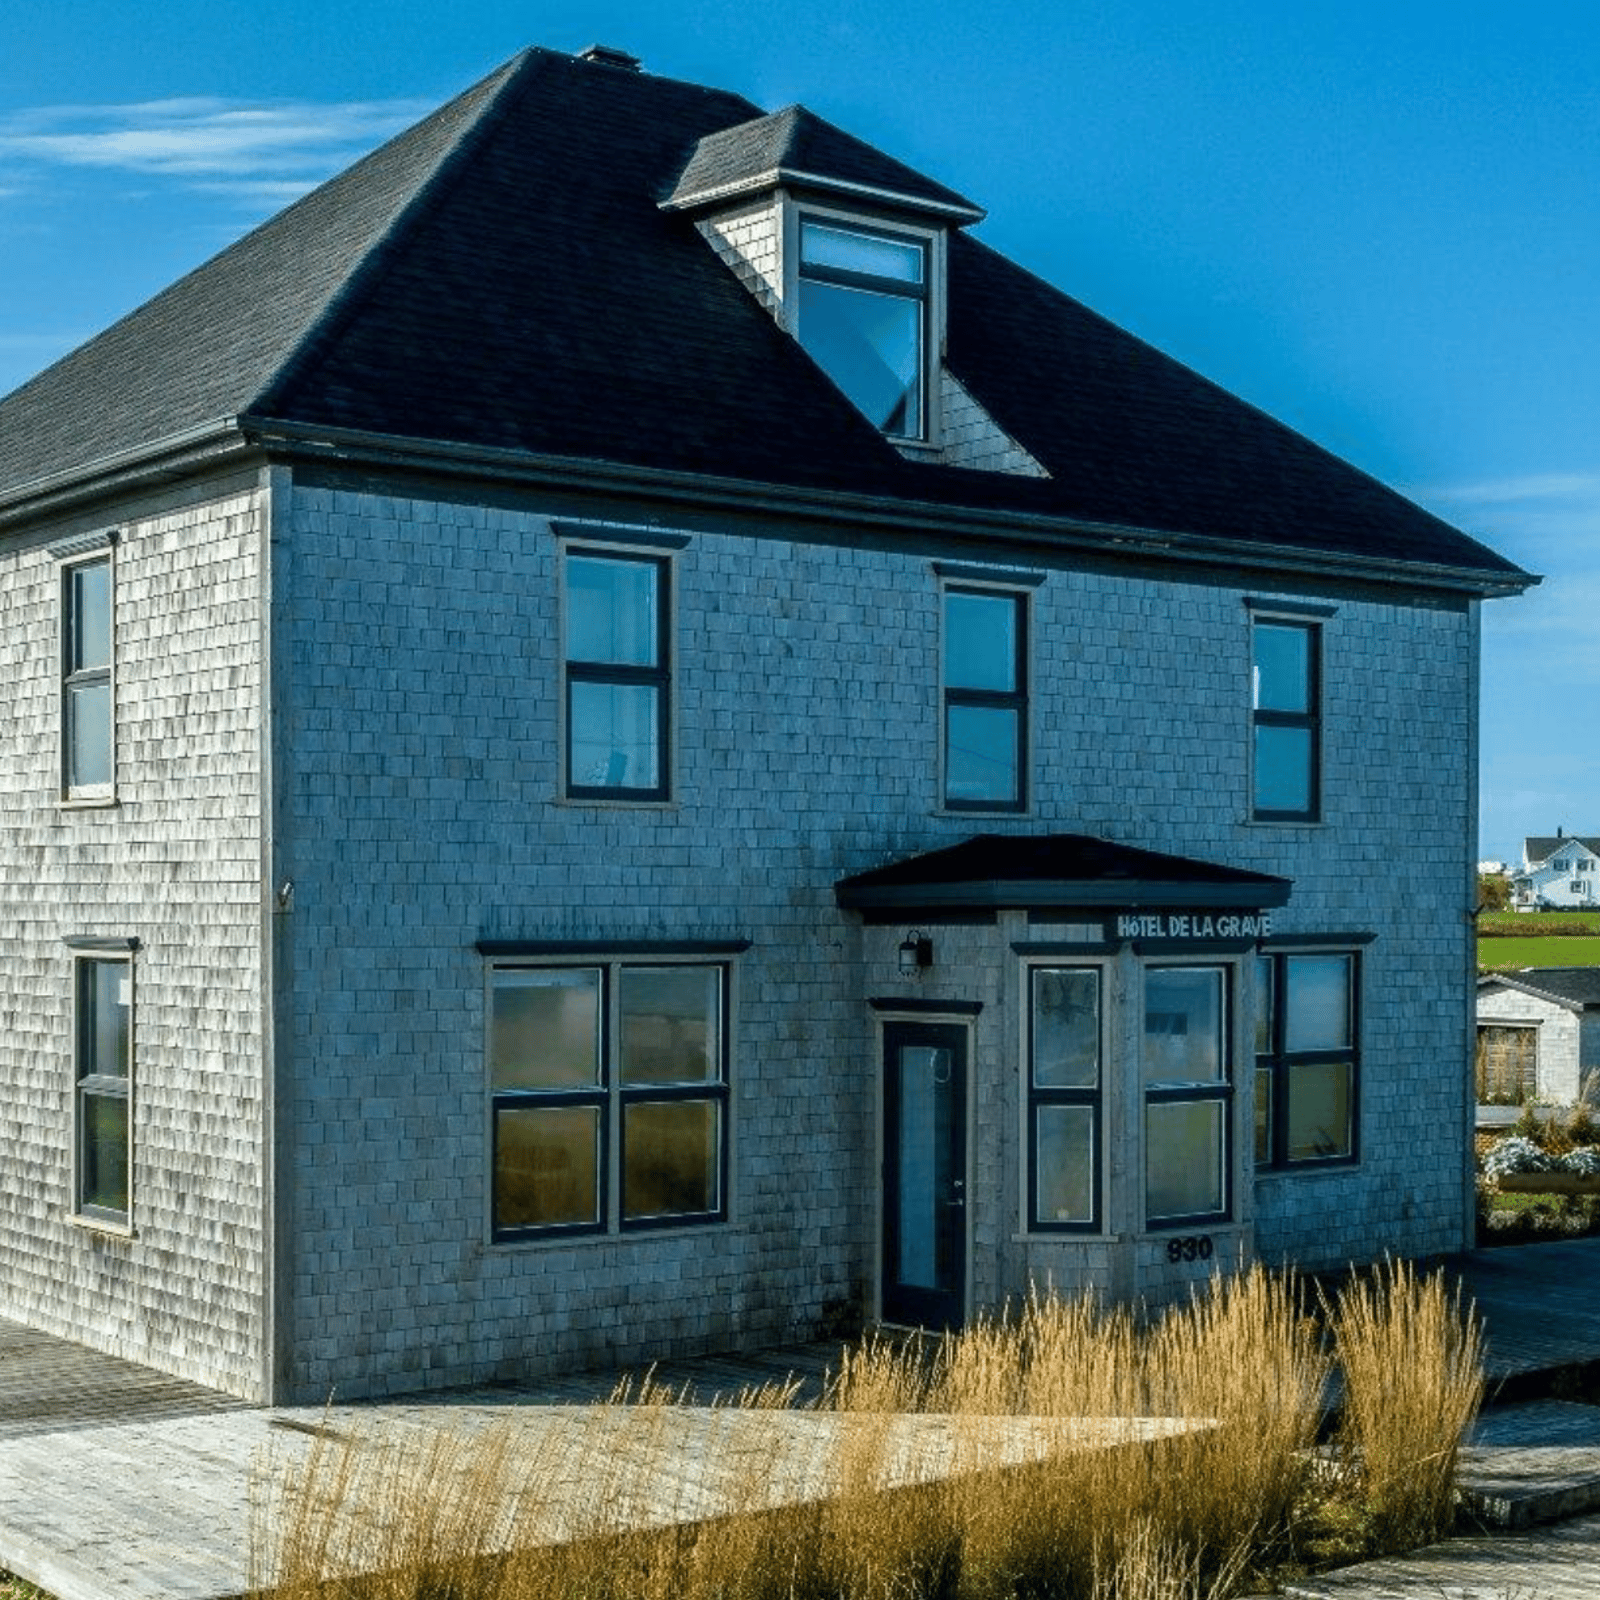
(1188, 1094)
(1064, 1089)
(103, 1063)
(608, 1095)
(1306, 1058)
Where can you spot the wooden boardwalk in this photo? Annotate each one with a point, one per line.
(116, 1481)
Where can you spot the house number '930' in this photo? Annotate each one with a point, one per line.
(1194, 1247)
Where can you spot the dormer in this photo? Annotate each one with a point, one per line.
(846, 248)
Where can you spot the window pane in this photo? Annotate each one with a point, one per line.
(88, 734)
(546, 1166)
(1318, 999)
(1264, 1004)
(671, 1024)
(1283, 769)
(1183, 1025)
(544, 1029)
(1263, 1116)
(612, 612)
(1183, 1154)
(104, 1171)
(980, 754)
(613, 733)
(980, 642)
(861, 252)
(871, 346)
(105, 1006)
(89, 646)
(1282, 668)
(1066, 1029)
(671, 1158)
(1319, 1111)
(1065, 1174)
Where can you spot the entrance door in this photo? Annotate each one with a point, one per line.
(924, 1173)
(1508, 1065)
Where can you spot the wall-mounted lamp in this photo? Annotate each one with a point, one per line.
(916, 953)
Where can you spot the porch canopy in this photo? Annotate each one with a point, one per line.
(993, 872)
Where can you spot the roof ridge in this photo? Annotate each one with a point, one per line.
(342, 300)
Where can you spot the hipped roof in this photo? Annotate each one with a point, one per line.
(503, 281)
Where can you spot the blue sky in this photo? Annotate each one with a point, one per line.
(1379, 222)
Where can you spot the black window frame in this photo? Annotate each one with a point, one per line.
(1220, 1092)
(1041, 1096)
(89, 1083)
(875, 283)
(1015, 700)
(657, 676)
(76, 678)
(612, 1097)
(1309, 720)
(1274, 1065)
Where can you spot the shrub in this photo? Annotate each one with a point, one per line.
(1515, 1154)
(1585, 1161)
(1413, 1378)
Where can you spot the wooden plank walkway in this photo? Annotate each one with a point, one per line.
(116, 1481)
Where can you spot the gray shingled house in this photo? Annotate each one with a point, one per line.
(619, 739)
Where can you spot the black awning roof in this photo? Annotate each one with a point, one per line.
(1033, 872)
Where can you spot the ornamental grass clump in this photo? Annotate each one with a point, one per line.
(1412, 1360)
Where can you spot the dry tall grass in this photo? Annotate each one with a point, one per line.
(1413, 1373)
(1005, 1461)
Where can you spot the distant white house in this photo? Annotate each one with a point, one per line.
(1538, 1035)
(1562, 873)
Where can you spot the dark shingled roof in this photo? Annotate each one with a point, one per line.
(503, 277)
(1573, 986)
(1536, 849)
(993, 870)
(797, 144)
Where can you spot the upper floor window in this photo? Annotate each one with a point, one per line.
(87, 716)
(617, 676)
(103, 1057)
(985, 700)
(863, 300)
(1285, 698)
(609, 1095)
(1306, 1058)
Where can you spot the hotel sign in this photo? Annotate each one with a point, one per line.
(1191, 925)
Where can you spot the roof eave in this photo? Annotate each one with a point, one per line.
(200, 448)
(795, 178)
(1067, 894)
(691, 489)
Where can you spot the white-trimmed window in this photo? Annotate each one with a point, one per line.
(1307, 1058)
(617, 627)
(1188, 1094)
(1065, 1083)
(608, 1083)
(102, 1028)
(864, 294)
(88, 715)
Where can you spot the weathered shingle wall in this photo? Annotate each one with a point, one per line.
(175, 864)
(422, 812)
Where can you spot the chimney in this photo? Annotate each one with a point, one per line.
(605, 55)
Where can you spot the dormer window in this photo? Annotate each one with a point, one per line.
(862, 316)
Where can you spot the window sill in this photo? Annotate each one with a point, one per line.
(1065, 1236)
(103, 1226)
(584, 802)
(1285, 822)
(88, 802)
(1306, 1169)
(969, 813)
(633, 1236)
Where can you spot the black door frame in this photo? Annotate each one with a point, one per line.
(943, 1306)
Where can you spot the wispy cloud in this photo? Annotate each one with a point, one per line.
(254, 149)
(1530, 488)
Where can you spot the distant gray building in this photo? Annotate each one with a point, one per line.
(1539, 1036)
(619, 740)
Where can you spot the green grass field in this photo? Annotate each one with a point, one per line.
(1499, 954)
